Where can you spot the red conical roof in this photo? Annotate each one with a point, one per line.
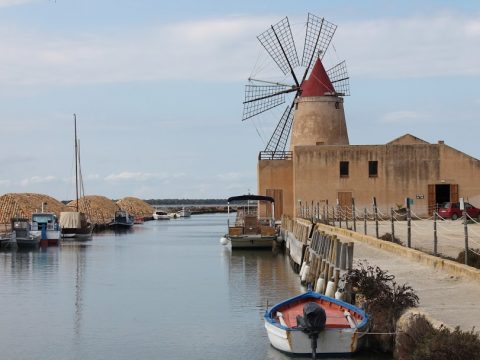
(318, 82)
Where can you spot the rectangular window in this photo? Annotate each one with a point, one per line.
(343, 168)
(373, 168)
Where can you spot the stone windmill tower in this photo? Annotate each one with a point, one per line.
(314, 116)
(316, 110)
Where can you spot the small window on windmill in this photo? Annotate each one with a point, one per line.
(343, 168)
(337, 105)
(296, 106)
(373, 168)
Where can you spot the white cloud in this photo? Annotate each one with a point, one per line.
(7, 3)
(141, 176)
(402, 116)
(4, 182)
(225, 49)
(435, 45)
(37, 180)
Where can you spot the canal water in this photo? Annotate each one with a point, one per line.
(164, 290)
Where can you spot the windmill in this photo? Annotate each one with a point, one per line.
(262, 95)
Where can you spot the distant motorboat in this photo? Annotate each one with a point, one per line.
(122, 220)
(160, 215)
(45, 225)
(184, 213)
(22, 234)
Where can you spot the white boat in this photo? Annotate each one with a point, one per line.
(22, 234)
(184, 213)
(160, 215)
(249, 230)
(312, 323)
(45, 226)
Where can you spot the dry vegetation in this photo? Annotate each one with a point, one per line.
(24, 204)
(136, 207)
(420, 340)
(100, 209)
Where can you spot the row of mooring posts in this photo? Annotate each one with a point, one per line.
(325, 259)
(348, 217)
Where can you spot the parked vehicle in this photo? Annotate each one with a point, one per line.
(451, 210)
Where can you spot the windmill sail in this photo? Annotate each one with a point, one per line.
(279, 139)
(318, 35)
(339, 78)
(278, 41)
(260, 98)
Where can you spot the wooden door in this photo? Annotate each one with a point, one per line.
(453, 192)
(277, 195)
(345, 201)
(432, 200)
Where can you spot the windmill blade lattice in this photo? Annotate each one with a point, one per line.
(279, 139)
(260, 98)
(317, 39)
(278, 41)
(339, 77)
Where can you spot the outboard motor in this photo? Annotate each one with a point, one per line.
(312, 322)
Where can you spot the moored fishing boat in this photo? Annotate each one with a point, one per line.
(122, 220)
(312, 323)
(184, 213)
(76, 224)
(250, 230)
(22, 235)
(45, 226)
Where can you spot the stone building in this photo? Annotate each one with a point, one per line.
(322, 167)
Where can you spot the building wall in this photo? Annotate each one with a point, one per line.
(463, 169)
(403, 171)
(277, 174)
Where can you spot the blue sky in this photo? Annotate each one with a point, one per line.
(158, 87)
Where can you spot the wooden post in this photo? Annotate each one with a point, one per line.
(343, 256)
(350, 256)
(409, 225)
(354, 214)
(365, 221)
(375, 211)
(392, 218)
(328, 223)
(465, 229)
(435, 240)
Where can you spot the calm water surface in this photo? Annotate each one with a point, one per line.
(165, 290)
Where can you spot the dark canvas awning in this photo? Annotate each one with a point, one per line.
(250, 197)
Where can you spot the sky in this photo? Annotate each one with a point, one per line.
(158, 87)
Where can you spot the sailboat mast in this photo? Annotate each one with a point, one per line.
(76, 158)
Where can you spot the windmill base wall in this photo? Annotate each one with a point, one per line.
(413, 170)
(319, 120)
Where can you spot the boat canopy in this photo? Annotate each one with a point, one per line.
(70, 219)
(250, 197)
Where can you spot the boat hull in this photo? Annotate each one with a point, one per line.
(331, 341)
(251, 241)
(53, 236)
(27, 242)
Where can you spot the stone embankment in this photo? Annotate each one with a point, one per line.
(448, 291)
